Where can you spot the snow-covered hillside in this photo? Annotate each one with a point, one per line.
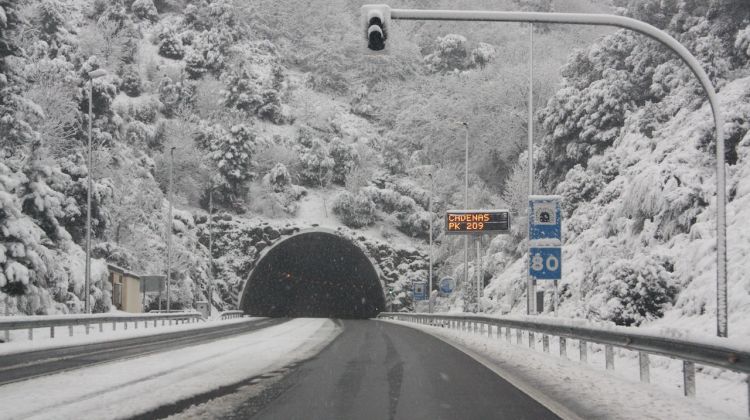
(284, 123)
(646, 238)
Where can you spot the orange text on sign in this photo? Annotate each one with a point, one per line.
(474, 217)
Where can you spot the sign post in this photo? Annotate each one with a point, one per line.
(545, 241)
(477, 223)
(419, 289)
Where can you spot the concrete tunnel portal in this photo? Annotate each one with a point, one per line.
(314, 273)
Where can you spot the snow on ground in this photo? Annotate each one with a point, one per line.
(590, 391)
(129, 387)
(20, 342)
(317, 208)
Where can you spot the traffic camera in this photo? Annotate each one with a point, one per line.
(376, 18)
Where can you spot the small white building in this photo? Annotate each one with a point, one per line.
(126, 289)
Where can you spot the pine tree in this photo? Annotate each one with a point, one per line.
(232, 152)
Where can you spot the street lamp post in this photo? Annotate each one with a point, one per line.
(169, 228)
(432, 189)
(210, 248)
(480, 279)
(531, 308)
(466, 203)
(87, 283)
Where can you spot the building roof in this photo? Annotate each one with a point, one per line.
(122, 271)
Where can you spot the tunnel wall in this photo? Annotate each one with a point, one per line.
(314, 273)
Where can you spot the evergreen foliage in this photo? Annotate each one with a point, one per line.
(145, 9)
(451, 53)
(625, 71)
(355, 211)
(251, 92)
(232, 151)
(51, 16)
(315, 163)
(131, 81)
(170, 45)
(632, 291)
(279, 178)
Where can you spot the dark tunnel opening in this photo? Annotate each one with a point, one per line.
(314, 274)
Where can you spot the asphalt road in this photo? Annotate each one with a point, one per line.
(377, 370)
(22, 366)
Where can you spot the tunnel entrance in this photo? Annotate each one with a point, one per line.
(314, 274)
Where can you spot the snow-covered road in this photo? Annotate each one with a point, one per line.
(139, 385)
(374, 371)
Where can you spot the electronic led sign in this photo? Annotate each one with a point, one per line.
(463, 222)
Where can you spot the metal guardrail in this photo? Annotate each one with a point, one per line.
(30, 323)
(231, 314)
(704, 353)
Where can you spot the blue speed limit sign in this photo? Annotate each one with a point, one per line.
(447, 284)
(545, 217)
(545, 263)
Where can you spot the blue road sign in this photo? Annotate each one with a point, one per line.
(419, 288)
(545, 263)
(544, 218)
(447, 284)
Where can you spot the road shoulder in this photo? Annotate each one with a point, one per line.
(570, 389)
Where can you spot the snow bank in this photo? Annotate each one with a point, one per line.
(129, 387)
(20, 343)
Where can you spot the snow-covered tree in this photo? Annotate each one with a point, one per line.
(255, 85)
(232, 151)
(451, 53)
(482, 54)
(36, 252)
(742, 43)
(170, 44)
(22, 253)
(52, 85)
(516, 190)
(279, 178)
(355, 210)
(134, 201)
(213, 14)
(345, 159)
(207, 53)
(131, 81)
(14, 130)
(176, 97)
(113, 38)
(579, 186)
(574, 133)
(315, 163)
(145, 9)
(51, 16)
(625, 71)
(631, 291)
